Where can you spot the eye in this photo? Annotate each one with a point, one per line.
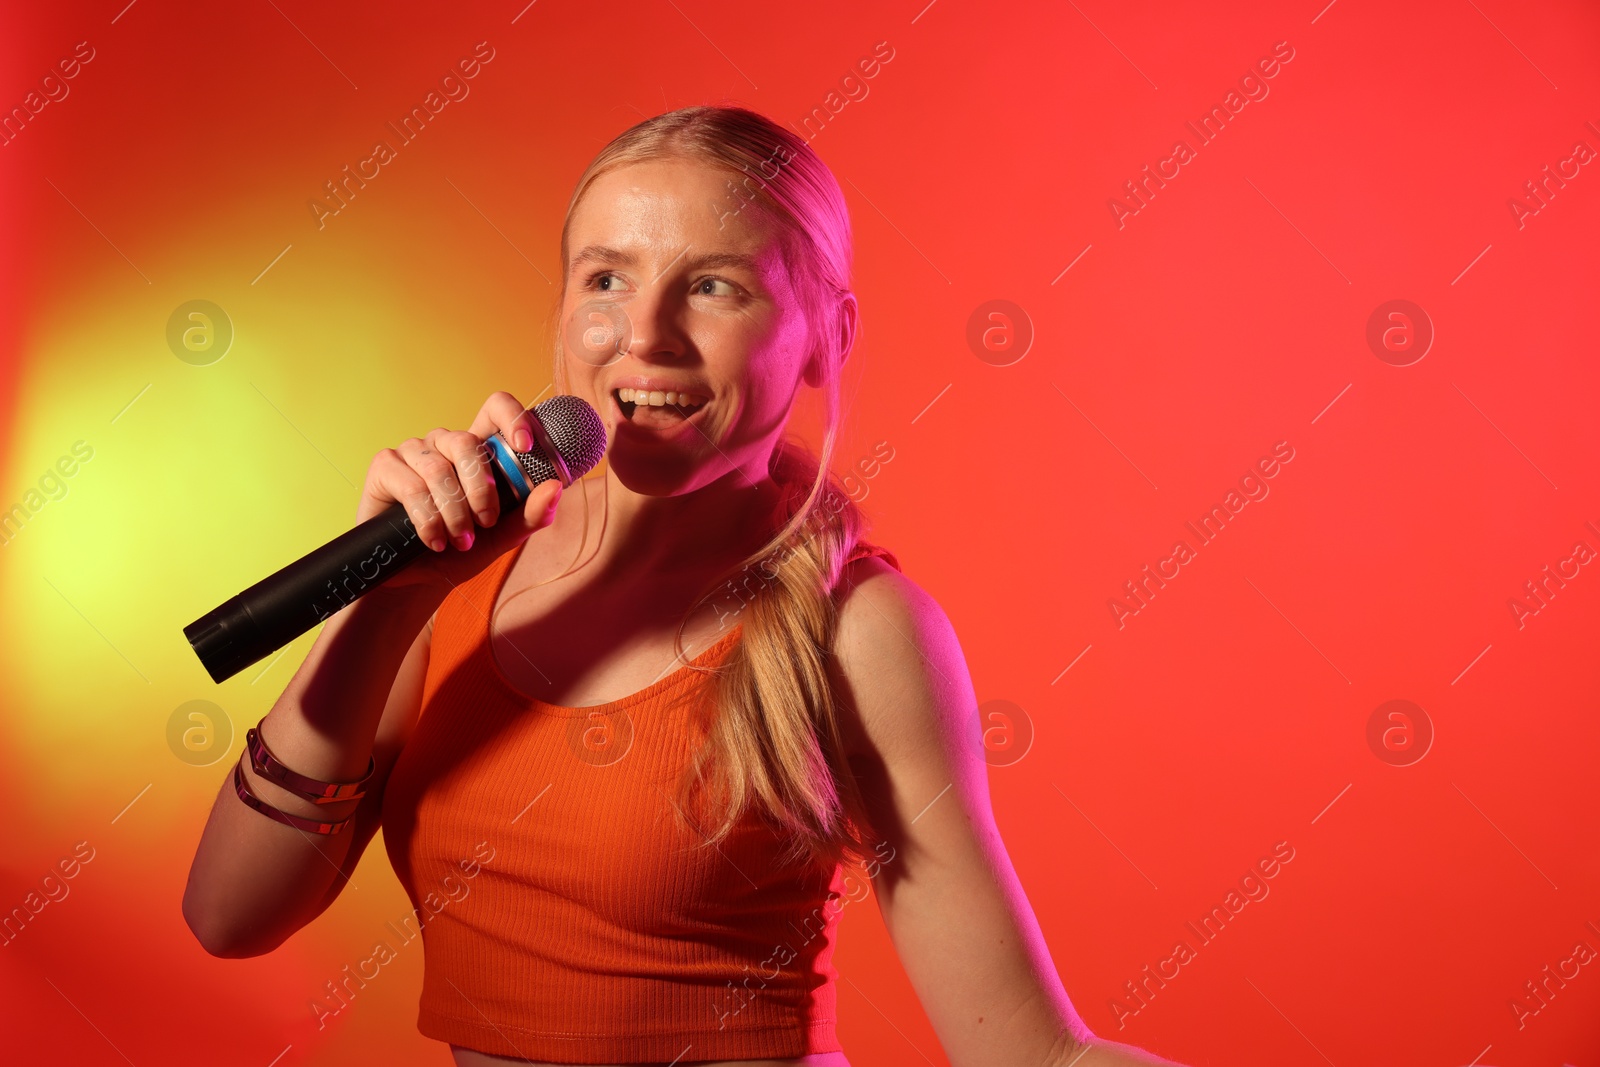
(592, 282)
(701, 287)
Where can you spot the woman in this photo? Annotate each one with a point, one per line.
(631, 776)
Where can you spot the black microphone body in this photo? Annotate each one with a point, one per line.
(281, 607)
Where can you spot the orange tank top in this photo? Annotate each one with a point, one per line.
(563, 914)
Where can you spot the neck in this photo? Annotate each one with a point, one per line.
(705, 530)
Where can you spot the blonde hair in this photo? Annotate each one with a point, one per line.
(775, 741)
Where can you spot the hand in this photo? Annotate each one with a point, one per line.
(444, 480)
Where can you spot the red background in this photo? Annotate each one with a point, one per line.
(1227, 315)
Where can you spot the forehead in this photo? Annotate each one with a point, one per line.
(667, 204)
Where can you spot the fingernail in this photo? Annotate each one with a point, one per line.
(485, 519)
(464, 542)
(437, 544)
(524, 441)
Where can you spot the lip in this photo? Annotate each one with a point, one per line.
(619, 420)
(663, 385)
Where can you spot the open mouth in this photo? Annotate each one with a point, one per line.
(657, 410)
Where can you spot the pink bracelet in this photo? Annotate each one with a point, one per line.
(298, 822)
(265, 764)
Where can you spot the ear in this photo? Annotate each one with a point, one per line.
(846, 321)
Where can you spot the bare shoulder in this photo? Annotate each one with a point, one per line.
(898, 663)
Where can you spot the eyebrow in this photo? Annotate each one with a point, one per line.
(604, 254)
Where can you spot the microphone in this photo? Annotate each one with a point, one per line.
(569, 439)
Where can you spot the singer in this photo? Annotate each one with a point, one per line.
(634, 746)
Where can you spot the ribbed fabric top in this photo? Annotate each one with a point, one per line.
(564, 913)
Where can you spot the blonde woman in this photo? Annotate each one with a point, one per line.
(630, 770)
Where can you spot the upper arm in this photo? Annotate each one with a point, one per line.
(950, 898)
(399, 718)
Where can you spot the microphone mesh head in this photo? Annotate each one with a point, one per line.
(576, 431)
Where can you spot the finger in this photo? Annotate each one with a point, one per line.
(471, 458)
(448, 495)
(504, 413)
(393, 479)
(487, 420)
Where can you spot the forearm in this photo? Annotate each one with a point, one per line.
(323, 723)
(1097, 1052)
(255, 881)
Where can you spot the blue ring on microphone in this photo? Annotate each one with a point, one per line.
(513, 470)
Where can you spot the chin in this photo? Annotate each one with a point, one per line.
(660, 474)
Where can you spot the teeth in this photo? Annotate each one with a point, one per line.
(658, 398)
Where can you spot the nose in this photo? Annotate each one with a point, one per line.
(654, 323)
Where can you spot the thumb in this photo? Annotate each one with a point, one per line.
(539, 510)
(516, 526)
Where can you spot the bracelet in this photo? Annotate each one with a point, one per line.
(265, 764)
(298, 822)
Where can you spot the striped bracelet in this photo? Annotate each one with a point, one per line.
(297, 821)
(265, 764)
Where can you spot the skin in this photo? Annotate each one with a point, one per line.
(738, 330)
(682, 507)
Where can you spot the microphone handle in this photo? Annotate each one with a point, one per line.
(263, 618)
